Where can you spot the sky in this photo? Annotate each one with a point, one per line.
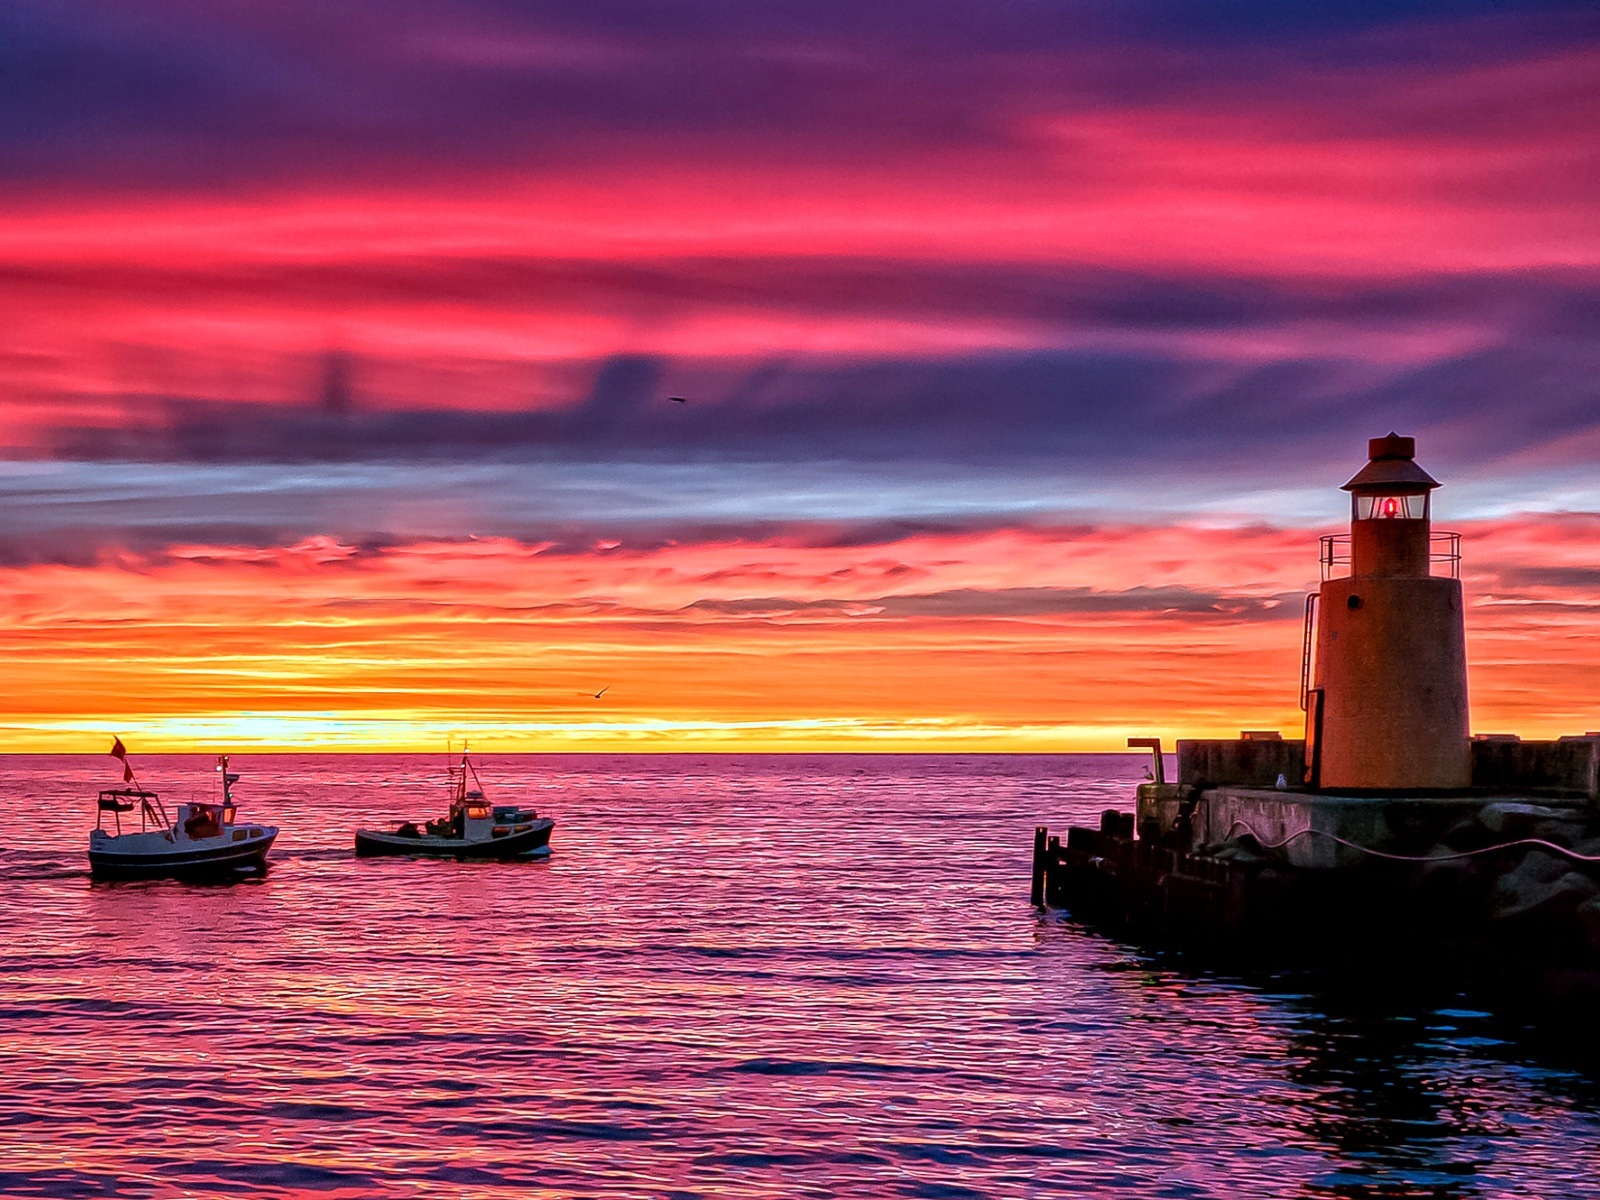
(1024, 346)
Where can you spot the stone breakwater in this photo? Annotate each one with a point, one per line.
(1539, 904)
(1502, 893)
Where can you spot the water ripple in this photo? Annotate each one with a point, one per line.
(736, 977)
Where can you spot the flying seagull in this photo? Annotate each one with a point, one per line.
(602, 691)
(678, 399)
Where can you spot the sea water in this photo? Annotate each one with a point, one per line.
(736, 976)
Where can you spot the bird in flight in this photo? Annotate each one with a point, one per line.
(602, 691)
(678, 399)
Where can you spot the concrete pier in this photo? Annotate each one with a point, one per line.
(1328, 831)
(1498, 883)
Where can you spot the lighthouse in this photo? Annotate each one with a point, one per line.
(1386, 702)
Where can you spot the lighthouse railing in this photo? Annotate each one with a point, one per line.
(1444, 555)
(1444, 549)
(1334, 556)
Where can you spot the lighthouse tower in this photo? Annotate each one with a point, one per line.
(1387, 709)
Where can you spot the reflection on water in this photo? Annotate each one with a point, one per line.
(804, 976)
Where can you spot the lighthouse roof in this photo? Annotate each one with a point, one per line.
(1391, 468)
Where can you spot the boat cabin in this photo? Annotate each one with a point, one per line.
(204, 820)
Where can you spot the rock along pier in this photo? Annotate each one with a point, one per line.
(1388, 831)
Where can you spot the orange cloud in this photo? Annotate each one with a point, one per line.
(1067, 639)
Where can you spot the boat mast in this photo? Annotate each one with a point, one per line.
(458, 779)
(467, 763)
(228, 780)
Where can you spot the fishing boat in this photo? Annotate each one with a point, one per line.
(201, 839)
(473, 828)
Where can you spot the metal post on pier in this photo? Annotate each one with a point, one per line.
(1159, 774)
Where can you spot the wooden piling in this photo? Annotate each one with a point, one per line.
(1041, 837)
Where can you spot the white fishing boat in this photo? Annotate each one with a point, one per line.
(200, 839)
(473, 828)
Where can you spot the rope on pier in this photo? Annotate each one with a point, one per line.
(1421, 858)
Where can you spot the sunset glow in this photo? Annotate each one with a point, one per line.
(1011, 639)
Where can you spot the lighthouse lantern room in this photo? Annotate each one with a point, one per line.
(1387, 705)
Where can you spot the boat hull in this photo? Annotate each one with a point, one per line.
(533, 840)
(180, 862)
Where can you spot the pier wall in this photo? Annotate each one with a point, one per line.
(1192, 820)
(1244, 762)
(1397, 826)
(1569, 765)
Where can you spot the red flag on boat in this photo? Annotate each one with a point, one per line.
(118, 750)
